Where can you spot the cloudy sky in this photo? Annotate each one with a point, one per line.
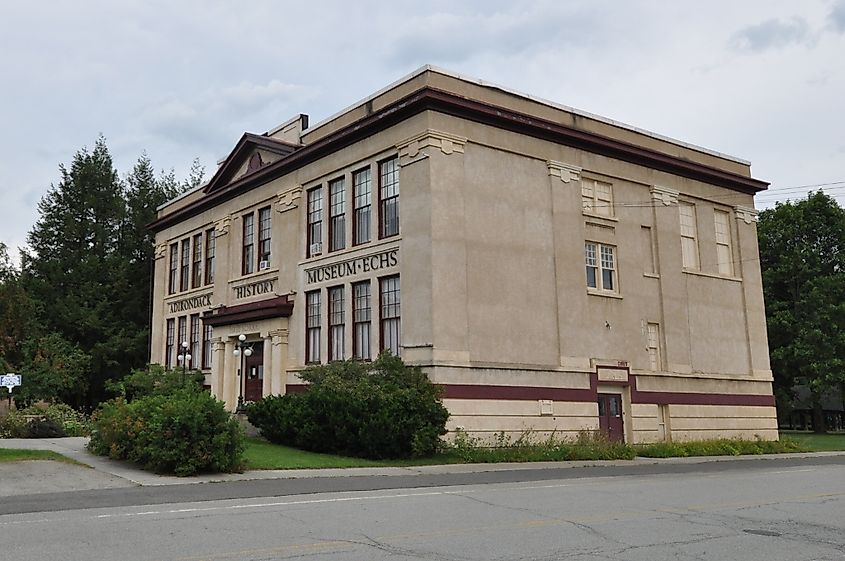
(760, 79)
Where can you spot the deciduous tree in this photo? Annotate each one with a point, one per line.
(802, 253)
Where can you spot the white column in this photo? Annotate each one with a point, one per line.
(218, 361)
(229, 392)
(279, 375)
(269, 366)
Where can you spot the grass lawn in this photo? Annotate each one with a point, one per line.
(17, 455)
(816, 442)
(260, 454)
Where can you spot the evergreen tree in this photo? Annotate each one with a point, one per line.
(144, 194)
(17, 323)
(74, 265)
(802, 253)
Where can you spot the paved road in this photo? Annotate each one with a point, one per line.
(789, 509)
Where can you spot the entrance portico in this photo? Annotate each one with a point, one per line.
(264, 325)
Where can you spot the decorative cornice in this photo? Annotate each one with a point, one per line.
(448, 103)
(445, 142)
(221, 227)
(160, 250)
(664, 195)
(746, 214)
(565, 172)
(288, 200)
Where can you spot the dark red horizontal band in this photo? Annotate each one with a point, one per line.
(585, 395)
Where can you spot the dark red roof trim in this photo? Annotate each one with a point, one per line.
(432, 99)
(276, 307)
(247, 143)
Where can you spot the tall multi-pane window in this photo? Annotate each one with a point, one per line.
(209, 256)
(315, 222)
(312, 327)
(653, 346)
(196, 262)
(184, 276)
(337, 214)
(174, 268)
(689, 236)
(195, 340)
(724, 255)
(361, 320)
(362, 203)
(337, 323)
(207, 345)
(389, 198)
(391, 329)
(264, 231)
(168, 345)
(597, 197)
(248, 253)
(183, 333)
(601, 266)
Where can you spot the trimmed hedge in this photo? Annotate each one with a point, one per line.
(184, 432)
(377, 410)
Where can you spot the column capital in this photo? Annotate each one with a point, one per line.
(566, 172)
(746, 214)
(221, 227)
(447, 143)
(664, 195)
(288, 199)
(160, 250)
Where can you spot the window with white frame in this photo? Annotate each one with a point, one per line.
(597, 197)
(196, 262)
(185, 266)
(195, 341)
(168, 345)
(337, 214)
(265, 230)
(207, 345)
(174, 268)
(391, 328)
(361, 320)
(389, 198)
(724, 255)
(600, 260)
(209, 256)
(337, 323)
(315, 222)
(362, 203)
(689, 236)
(312, 327)
(653, 346)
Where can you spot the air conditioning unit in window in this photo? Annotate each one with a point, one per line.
(263, 265)
(316, 248)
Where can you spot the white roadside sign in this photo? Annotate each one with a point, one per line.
(10, 381)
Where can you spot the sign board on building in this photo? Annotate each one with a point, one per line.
(10, 381)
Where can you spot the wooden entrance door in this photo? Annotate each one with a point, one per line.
(254, 383)
(610, 416)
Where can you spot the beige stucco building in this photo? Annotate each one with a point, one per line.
(553, 270)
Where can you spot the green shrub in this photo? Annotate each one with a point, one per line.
(378, 410)
(154, 380)
(184, 432)
(44, 421)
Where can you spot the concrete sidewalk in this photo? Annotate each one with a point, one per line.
(19, 478)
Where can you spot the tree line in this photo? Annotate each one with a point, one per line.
(76, 312)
